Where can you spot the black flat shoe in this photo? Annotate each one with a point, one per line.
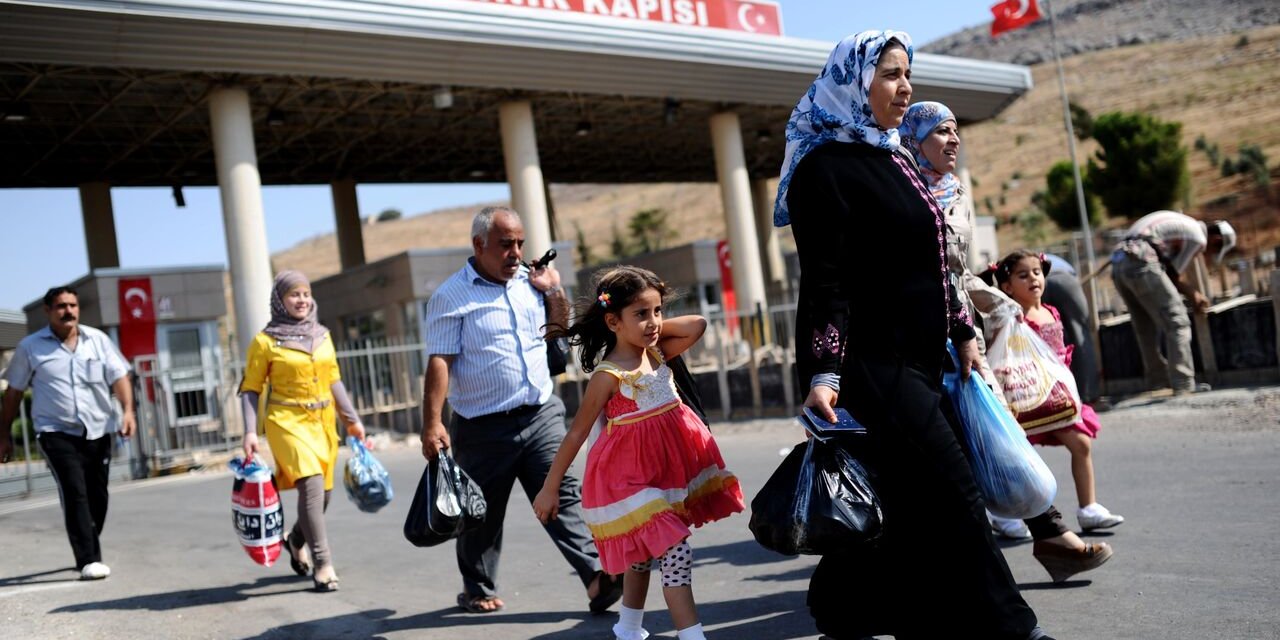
(298, 560)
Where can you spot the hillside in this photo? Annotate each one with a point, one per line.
(1223, 87)
(1093, 25)
(1214, 86)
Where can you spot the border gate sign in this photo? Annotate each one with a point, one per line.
(762, 17)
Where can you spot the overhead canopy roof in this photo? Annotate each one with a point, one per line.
(116, 90)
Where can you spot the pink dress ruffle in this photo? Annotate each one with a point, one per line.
(1052, 334)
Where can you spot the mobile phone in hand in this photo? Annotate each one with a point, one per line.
(543, 261)
(820, 426)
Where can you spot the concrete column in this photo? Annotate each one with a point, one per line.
(99, 225)
(240, 188)
(346, 214)
(524, 175)
(763, 193)
(735, 192)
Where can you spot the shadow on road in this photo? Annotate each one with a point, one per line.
(776, 616)
(191, 597)
(1042, 586)
(29, 579)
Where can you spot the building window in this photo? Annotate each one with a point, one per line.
(364, 328)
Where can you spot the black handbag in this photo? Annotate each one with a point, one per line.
(557, 356)
(447, 504)
(819, 500)
(687, 387)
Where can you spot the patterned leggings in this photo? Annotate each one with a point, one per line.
(676, 566)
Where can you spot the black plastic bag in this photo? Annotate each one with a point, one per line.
(448, 503)
(819, 500)
(687, 387)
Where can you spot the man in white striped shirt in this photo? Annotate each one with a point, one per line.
(485, 341)
(1147, 267)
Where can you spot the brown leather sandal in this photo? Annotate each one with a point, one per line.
(473, 604)
(1064, 562)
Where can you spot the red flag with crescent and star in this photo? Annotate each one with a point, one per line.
(137, 318)
(1013, 14)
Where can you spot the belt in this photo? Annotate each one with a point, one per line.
(310, 406)
(521, 410)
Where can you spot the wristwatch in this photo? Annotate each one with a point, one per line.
(553, 290)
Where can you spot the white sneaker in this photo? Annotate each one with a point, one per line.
(95, 571)
(629, 634)
(1009, 528)
(1096, 516)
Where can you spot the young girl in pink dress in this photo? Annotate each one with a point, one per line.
(654, 471)
(1021, 276)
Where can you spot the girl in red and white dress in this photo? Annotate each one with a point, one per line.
(654, 471)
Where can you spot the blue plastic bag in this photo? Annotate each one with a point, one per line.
(368, 483)
(1015, 481)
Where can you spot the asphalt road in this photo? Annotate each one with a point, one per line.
(1197, 479)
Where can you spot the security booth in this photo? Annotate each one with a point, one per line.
(377, 315)
(170, 323)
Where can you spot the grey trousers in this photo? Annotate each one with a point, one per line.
(1156, 307)
(497, 450)
(1063, 291)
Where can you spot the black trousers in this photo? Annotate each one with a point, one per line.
(1063, 291)
(81, 468)
(497, 450)
(936, 572)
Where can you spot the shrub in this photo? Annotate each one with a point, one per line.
(1141, 166)
(1059, 199)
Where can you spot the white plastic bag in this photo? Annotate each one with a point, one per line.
(1039, 390)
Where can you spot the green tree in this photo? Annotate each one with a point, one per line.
(650, 230)
(389, 214)
(1142, 165)
(1058, 200)
(619, 246)
(584, 249)
(1081, 121)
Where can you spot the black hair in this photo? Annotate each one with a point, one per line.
(1000, 272)
(615, 288)
(52, 294)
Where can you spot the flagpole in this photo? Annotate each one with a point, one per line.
(1075, 171)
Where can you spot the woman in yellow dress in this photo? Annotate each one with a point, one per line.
(293, 363)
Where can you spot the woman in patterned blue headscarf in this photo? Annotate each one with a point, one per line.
(835, 108)
(922, 120)
(875, 311)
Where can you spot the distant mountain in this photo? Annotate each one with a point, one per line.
(1092, 25)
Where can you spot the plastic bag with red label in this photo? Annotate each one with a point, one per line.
(256, 512)
(1038, 388)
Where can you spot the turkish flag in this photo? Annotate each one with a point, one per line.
(1013, 14)
(137, 318)
(752, 16)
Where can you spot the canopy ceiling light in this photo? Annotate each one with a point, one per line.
(442, 98)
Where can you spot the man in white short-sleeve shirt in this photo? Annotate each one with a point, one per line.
(71, 371)
(1148, 267)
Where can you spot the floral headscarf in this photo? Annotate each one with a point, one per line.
(921, 119)
(836, 107)
(289, 331)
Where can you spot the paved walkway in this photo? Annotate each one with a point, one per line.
(1196, 478)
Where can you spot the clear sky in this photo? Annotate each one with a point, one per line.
(42, 237)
